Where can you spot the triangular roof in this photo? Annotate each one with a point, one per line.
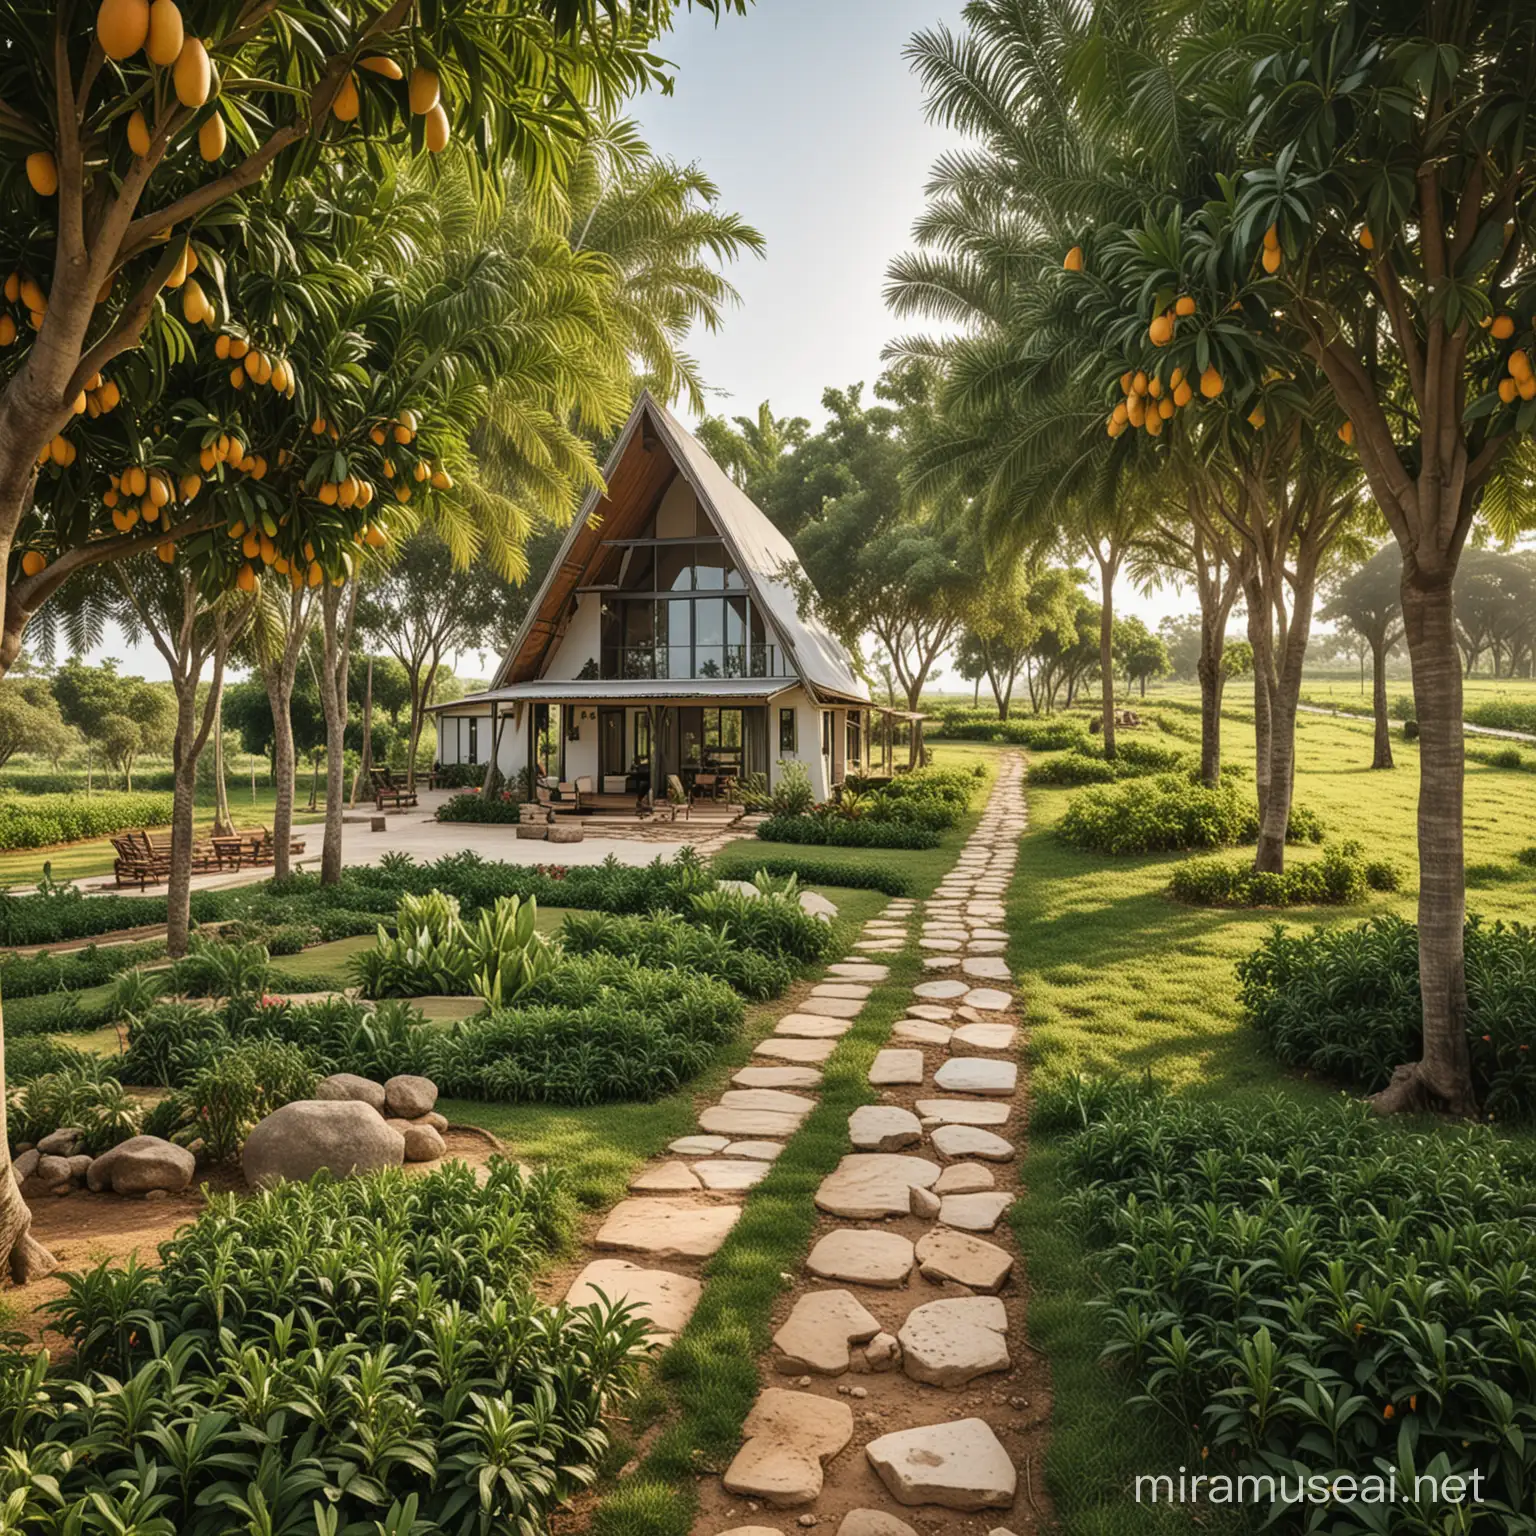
(653, 448)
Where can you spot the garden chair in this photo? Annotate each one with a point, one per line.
(135, 864)
(677, 799)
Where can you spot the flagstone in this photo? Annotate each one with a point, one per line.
(883, 1128)
(728, 1174)
(976, 1212)
(984, 1037)
(948, 1254)
(937, 991)
(892, 1067)
(958, 1465)
(810, 1026)
(666, 1178)
(963, 1111)
(880, 1259)
(756, 1151)
(930, 1011)
(867, 1186)
(666, 1301)
(803, 1052)
(832, 1007)
(698, 1146)
(921, 1032)
(777, 1077)
(986, 968)
(958, 1141)
(858, 970)
(667, 1229)
(951, 1342)
(978, 1074)
(723, 1121)
(841, 989)
(788, 1438)
(818, 1331)
(964, 1179)
(989, 999)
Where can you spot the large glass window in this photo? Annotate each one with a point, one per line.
(687, 637)
(677, 619)
(786, 730)
(709, 637)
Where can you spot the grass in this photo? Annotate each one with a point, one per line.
(1118, 978)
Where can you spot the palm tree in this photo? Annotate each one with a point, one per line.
(749, 448)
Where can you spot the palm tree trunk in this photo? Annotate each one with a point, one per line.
(223, 822)
(1442, 1078)
(1382, 757)
(283, 766)
(337, 612)
(1209, 670)
(1107, 567)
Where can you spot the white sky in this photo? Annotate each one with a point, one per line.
(807, 118)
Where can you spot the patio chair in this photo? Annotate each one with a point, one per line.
(708, 786)
(387, 793)
(677, 799)
(137, 864)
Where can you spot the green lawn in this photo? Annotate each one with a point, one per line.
(1118, 978)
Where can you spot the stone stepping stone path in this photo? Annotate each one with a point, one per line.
(684, 1204)
(906, 1288)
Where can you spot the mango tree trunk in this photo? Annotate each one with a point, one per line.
(1382, 758)
(1442, 1077)
(24, 1257)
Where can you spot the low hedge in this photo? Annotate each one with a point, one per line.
(499, 810)
(1039, 735)
(38, 821)
(810, 870)
(1170, 812)
(1300, 1290)
(1345, 1002)
(1342, 876)
(28, 975)
(1087, 764)
(833, 831)
(55, 1013)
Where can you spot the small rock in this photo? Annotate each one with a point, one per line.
(882, 1353)
(52, 1169)
(423, 1143)
(439, 1123)
(79, 1166)
(62, 1142)
(925, 1204)
(157, 1194)
(24, 1165)
(408, 1096)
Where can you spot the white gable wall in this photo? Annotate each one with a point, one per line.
(581, 642)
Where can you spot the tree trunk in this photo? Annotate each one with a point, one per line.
(223, 822)
(1208, 668)
(1107, 653)
(280, 694)
(337, 608)
(1442, 1079)
(1285, 697)
(178, 898)
(22, 1255)
(365, 759)
(1383, 754)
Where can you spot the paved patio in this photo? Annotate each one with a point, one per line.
(419, 834)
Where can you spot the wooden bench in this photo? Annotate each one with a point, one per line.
(387, 793)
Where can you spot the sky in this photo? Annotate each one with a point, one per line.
(807, 118)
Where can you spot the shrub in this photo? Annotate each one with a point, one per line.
(82, 1093)
(55, 1013)
(168, 1042)
(1169, 812)
(835, 831)
(28, 975)
(499, 809)
(1341, 876)
(243, 1082)
(1410, 730)
(381, 1333)
(213, 968)
(792, 795)
(1048, 735)
(434, 950)
(1303, 1289)
(38, 1055)
(729, 865)
(36, 821)
(1345, 1002)
(1086, 764)
(665, 939)
(1500, 757)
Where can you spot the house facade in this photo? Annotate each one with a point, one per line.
(667, 639)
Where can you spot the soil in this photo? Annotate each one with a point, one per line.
(84, 1229)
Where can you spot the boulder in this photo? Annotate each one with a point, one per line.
(51, 1169)
(142, 1164)
(79, 1166)
(62, 1142)
(439, 1123)
(348, 1085)
(24, 1164)
(423, 1143)
(298, 1140)
(408, 1097)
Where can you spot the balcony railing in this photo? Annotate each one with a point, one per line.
(679, 662)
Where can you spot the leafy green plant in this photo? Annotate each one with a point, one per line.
(365, 1353)
(836, 831)
(212, 968)
(30, 975)
(36, 821)
(242, 1083)
(1299, 1288)
(1345, 1002)
(83, 1093)
(1341, 876)
(1168, 812)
